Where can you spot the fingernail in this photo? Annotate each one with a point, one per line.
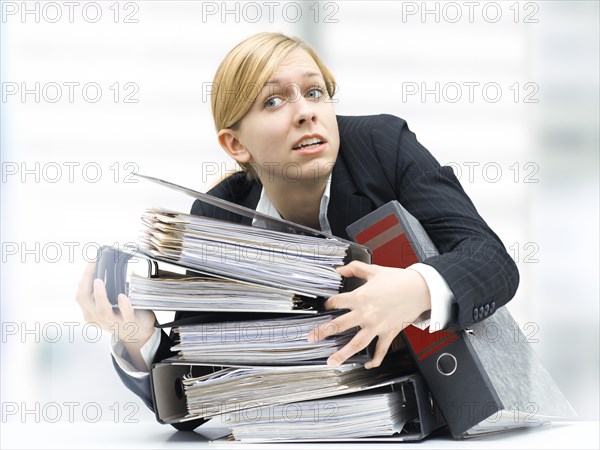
(310, 338)
(332, 362)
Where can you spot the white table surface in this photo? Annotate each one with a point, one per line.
(151, 435)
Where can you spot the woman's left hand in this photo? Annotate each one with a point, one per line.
(389, 301)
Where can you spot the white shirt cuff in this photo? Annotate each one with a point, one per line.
(441, 298)
(148, 351)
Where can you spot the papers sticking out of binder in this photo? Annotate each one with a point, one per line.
(483, 379)
(149, 286)
(261, 342)
(172, 291)
(383, 412)
(354, 251)
(304, 265)
(206, 390)
(237, 388)
(275, 266)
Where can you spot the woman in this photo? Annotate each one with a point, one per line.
(274, 115)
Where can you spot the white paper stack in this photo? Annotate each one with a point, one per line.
(237, 388)
(304, 265)
(260, 342)
(203, 293)
(354, 416)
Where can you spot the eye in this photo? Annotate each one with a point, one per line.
(273, 102)
(315, 93)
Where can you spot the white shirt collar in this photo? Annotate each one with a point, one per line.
(265, 206)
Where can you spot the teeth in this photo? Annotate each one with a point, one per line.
(307, 142)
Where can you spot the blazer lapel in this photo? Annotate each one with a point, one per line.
(251, 201)
(346, 205)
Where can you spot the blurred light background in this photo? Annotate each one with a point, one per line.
(515, 111)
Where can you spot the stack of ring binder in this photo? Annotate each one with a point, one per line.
(242, 353)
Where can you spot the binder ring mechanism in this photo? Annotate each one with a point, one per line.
(113, 266)
(446, 364)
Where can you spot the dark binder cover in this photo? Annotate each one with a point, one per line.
(355, 251)
(171, 405)
(474, 374)
(112, 263)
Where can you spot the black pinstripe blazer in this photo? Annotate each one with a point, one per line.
(381, 160)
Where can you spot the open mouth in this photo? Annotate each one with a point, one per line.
(308, 143)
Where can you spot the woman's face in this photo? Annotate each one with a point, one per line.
(290, 133)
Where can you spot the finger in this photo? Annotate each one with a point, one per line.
(357, 269)
(359, 342)
(90, 270)
(335, 326)
(104, 310)
(381, 349)
(126, 308)
(338, 301)
(130, 328)
(85, 289)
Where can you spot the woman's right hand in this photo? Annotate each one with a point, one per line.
(132, 327)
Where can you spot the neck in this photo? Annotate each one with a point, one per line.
(298, 202)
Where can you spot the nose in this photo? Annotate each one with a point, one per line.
(305, 112)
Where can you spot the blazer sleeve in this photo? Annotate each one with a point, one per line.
(473, 260)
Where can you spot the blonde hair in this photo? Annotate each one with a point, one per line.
(245, 70)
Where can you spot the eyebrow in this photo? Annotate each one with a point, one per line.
(307, 74)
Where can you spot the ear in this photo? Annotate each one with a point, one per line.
(228, 139)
